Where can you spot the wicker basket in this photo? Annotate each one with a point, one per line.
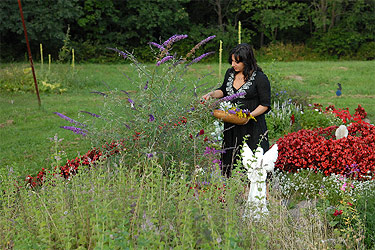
(231, 118)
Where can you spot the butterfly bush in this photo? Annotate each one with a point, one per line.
(160, 119)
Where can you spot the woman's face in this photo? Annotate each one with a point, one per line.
(237, 66)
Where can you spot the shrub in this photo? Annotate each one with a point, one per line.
(337, 42)
(366, 51)
(287, 52)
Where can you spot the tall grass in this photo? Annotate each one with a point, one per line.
(113, 207)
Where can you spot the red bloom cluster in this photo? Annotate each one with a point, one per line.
(336, 213)
(345, 115)
(352, 156)
(360, 112)
(89, 159)
(72, 166)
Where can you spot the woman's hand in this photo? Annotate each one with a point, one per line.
(214, 94)
(206, 96)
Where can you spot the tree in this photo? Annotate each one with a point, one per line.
(46, 21)
(273, 16)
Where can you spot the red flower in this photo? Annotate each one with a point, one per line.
(350, 204)
(336, 213)
(201, 132)
(292, 119)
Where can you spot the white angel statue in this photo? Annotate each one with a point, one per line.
(257, 166)
(341, 132)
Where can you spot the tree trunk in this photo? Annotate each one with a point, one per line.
(261, 39)
(333, 16)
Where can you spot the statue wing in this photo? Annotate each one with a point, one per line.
(270, 158)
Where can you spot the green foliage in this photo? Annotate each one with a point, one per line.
(338, 42)
(310, 118)
(45, 21)
(64, 53)
(366, 51)
(114, 207)
(366, 204)
(275, 16)
(287, 52)
(95, 24)
(160, 115)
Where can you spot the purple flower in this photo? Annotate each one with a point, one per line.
(121, 53)
(150, 155)
(126, 92)
(157, 45)
(231, 112)
(151, 118)
(192, 51)
(75, 130)
(205, 40)
(98, 92)
(69, 119)
(173, 39)
(92, 114)
(231, 97)
(146, 86)
(131, 101)
(246, 111)
(195, 60)
(167, 58)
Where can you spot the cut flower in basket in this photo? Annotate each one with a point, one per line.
(232, 114)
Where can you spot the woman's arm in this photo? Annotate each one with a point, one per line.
(259, 110)
(215, 94)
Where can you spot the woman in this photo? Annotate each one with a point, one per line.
(245, 76)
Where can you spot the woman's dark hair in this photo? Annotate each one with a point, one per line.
(244, 53)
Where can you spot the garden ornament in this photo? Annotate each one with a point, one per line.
(341, 132)
(338, 92)
(257, 166)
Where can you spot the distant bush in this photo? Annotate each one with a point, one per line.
(287, 52)
(366, 51)
(337, 42)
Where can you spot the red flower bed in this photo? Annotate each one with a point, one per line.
(318, 149)
(72, 166)
(92, 156)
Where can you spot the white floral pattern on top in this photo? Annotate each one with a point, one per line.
(230, 89)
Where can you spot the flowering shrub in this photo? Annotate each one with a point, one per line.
(317, 149)
(158, 120)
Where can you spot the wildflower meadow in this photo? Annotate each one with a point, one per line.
(151, 175)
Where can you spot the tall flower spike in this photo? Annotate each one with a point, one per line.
(195, 60)
(157, 45)
(75, 130)
(121, 53)
(192, 51)
(70, 119)
(167, 58)
(92, 114)
(230, 97)
(173, 39)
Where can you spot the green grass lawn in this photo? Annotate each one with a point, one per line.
(25, 127)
